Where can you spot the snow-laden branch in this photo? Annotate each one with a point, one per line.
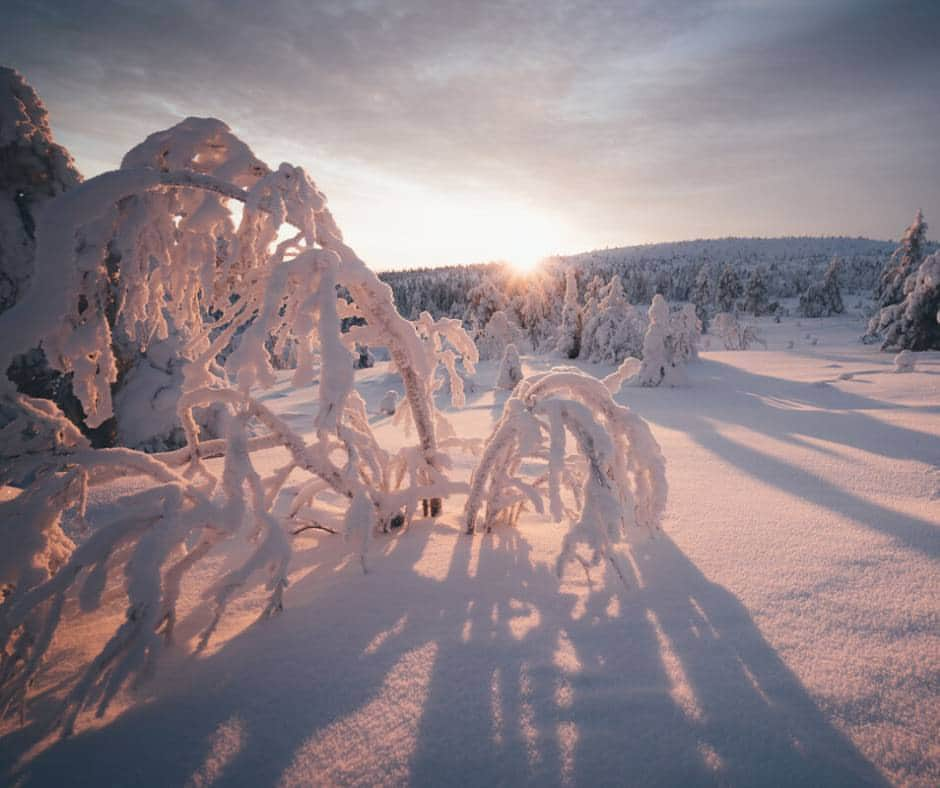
(617, 479)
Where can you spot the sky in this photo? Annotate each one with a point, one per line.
(452, 131)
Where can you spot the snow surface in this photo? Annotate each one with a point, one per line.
(784, 628)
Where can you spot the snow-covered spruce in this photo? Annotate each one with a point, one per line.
(824, 298)
(685, 329)
(612, 328)
(167, 214)
(904, 262)
(510, 369)
(913, 323)
(616, 481)
(728, 290)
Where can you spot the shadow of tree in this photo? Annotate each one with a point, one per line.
(791, 411)
(529, 680)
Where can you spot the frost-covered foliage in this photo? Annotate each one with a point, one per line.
(613, 488)
(824, 299)
(33, 169)
(612, 328)
(510, 369)
(912, 323)
(736, 334)
(569, 332)
(191, 277)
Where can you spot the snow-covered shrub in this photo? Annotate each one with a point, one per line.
(568, 343)
(824, 299)
(616, 482)
(735, 333)
(389, 403)
(904, 361)
(510, 369)
(912, 324)
(612, 328)
(276, 275)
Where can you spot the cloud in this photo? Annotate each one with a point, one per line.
(617, 118)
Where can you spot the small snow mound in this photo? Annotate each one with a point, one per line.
(904, 361)
(389, 403)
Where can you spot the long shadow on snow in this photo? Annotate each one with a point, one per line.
(500, 707)
(787, 411)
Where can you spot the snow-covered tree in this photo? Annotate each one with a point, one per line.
(685, 331)
(702, 296)
(33, 170)
(497, 334)
(617, 480)
(755, 293)
(824, 299)
(729, 289)
(276, 276)
(612, 328)
(510, 369)
(483, 301)
(536, 312)
(568, 343)
(660, 363)
(736, 334)
(904, 262)
(913, 323)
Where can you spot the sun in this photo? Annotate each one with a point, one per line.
(525, 263)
